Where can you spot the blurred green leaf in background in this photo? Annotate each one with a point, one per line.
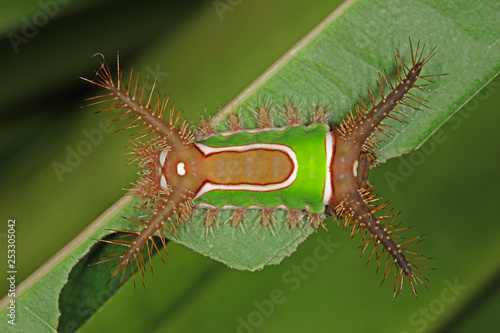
(203, 54)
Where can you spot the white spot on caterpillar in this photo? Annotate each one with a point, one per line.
(163, 182)
(181, 169)
(355, 168)
(163, 157)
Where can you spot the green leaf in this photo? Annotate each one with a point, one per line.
(332, 67)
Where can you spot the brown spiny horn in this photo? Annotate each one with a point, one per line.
(130, 102)
(354, 146)
(360, 128)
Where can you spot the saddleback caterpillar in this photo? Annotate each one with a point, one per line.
(309, 170)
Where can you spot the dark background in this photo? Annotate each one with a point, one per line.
(203, 60)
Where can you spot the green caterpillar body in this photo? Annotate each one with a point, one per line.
(306, 184)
